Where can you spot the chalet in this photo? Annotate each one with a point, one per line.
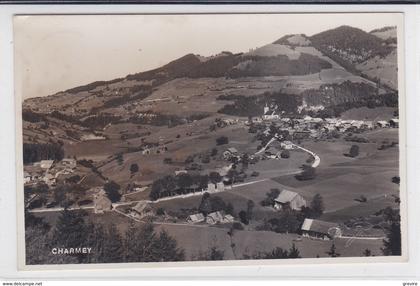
(146, 151)
(286, 145)
(320, 229)
(269, 115)
(101, 203)
(289, 199)
(142, 209)
(215, 217)
(196, 218)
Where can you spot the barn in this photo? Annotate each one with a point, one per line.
(288, 199)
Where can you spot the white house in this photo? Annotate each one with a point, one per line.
(46, 164)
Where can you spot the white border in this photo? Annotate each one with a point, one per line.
(8, 262)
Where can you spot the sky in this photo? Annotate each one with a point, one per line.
(55, 53)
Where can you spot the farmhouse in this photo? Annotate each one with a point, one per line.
(320, 229)
(214, 218)
(142, 209)
(196, 218)
(289, 199)
(101, 202)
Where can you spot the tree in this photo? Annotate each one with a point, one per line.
(285, 154)
(250, 206)
(333, 251)
(232, 175)
(134, 168)
(308, 173)
(392, 242)
(213, 152)
(215, 177)
(71, 230)
(205, 205)
(222, 140)
(243, 217)
(113, 246)
(184, 180)
(294, 252)
(120, 158)
(270, 197)
(354, 151)
(212, 254)
(367, 252)
(112, 191)
(317, 206)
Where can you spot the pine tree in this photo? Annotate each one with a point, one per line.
(317, 206)
(113, 246)
(392, 243)
(333, 252)
(294, 252)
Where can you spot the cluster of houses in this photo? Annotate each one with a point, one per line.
(48, 171)
(211, 218)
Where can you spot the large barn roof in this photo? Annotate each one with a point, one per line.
(286, 196)
(318, 225)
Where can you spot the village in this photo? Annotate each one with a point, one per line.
(281, 133)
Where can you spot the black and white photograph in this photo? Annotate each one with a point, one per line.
(210, 137)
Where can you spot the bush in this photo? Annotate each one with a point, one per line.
(160, 211)
(354, 151)
(237, 226)
(308, 173)
(222, 140)
(134, 168)
(167, 160)
(255, 174)
(285, 154)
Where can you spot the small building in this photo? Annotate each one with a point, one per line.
(27, 178)
(178, 172)
(69, 163)
(394, 123)
(142, 209)
(214, 217)
(228, 218)
(146, 151)
(49, 179)
(382, 124)
(196, 218)
(46, 164)
(214, 188)
(101, 203)
(286, 145)
(289, 199)
(230, 152)
(320, 229)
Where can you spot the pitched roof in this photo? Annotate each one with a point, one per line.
(197, 217)
(318, 225)
(141, 206)
(216, 216)
(232, 150)
(285, 196)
